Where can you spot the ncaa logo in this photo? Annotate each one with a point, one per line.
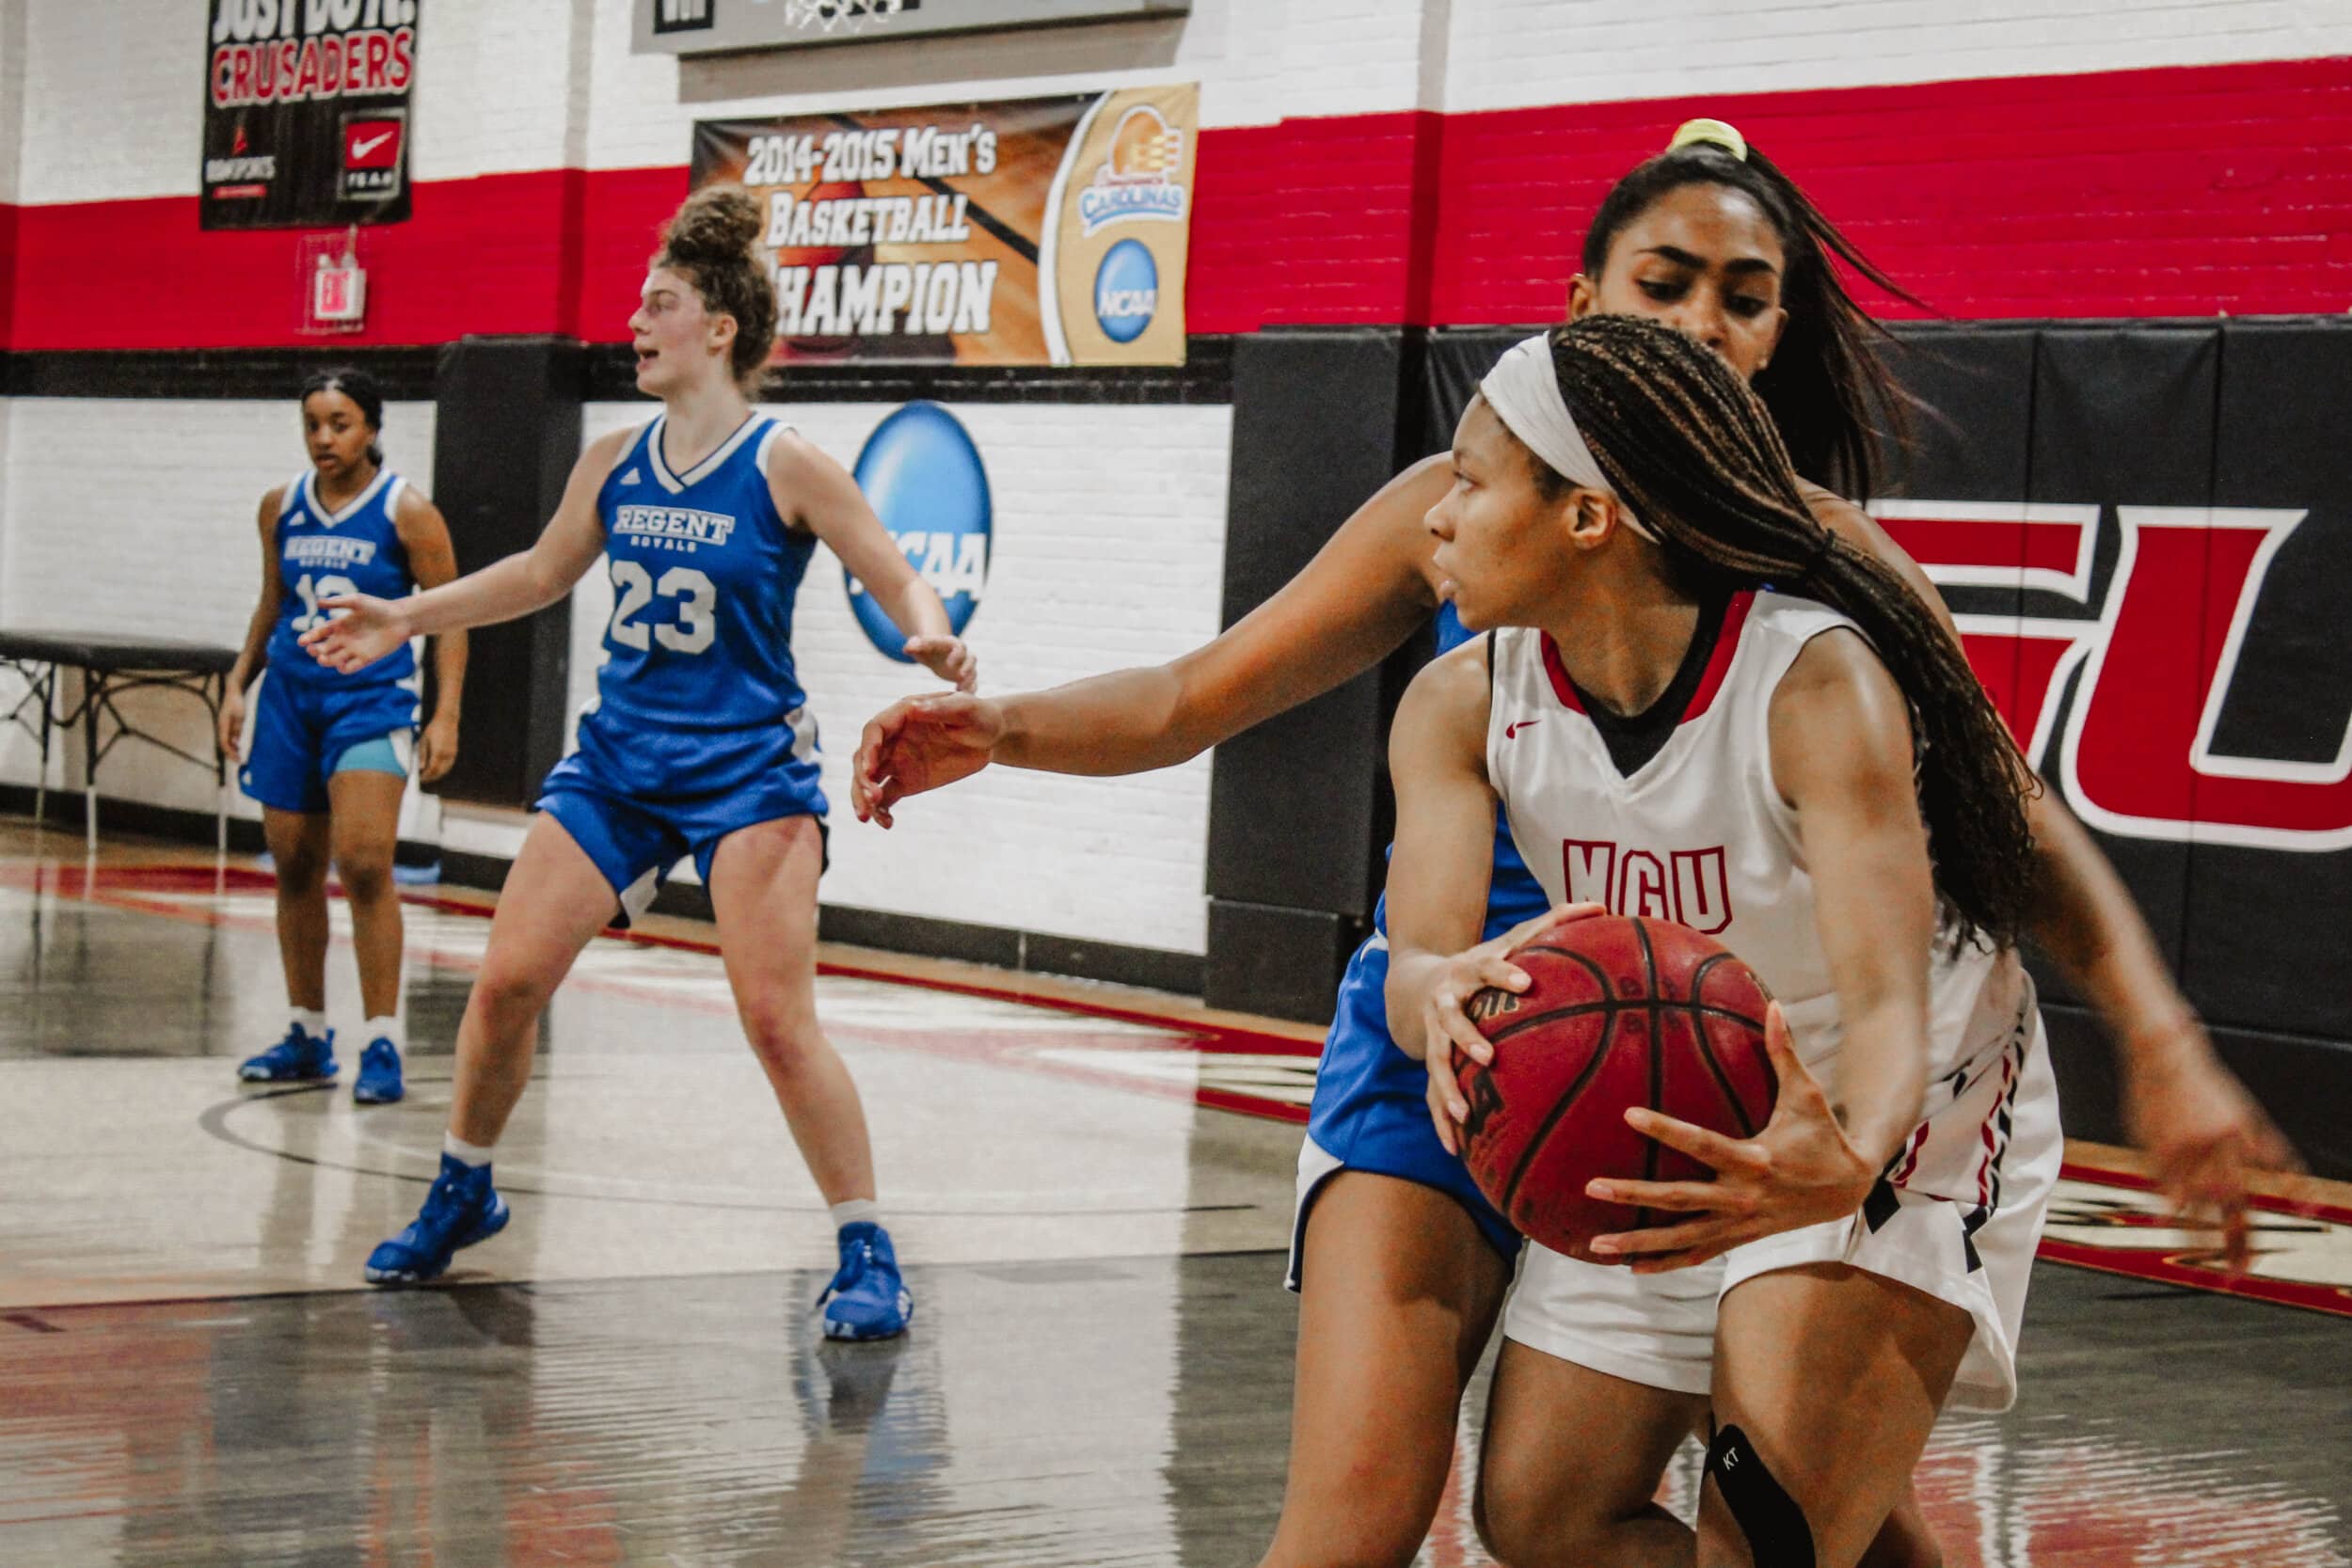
(923, 476)
(1126, 291)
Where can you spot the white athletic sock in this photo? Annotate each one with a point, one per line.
(385, 1029)
(857, 1210)
(310, 1023)
(463, 1152)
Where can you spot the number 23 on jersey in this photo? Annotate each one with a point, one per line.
(697, 600)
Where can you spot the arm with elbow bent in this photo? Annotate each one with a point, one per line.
(1438, 877)
(363, 630)
(817, 494)
(1841, 757)
(2204, 1133)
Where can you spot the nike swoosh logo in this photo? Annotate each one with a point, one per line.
(1511, 731)
(361, 149)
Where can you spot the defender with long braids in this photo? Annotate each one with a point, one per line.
(701, 742)
(1684, 666)
(1401, 1265)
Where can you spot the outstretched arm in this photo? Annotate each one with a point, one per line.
(364, 629)
(1356, 601)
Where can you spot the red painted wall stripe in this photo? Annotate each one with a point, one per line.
(2177, 192)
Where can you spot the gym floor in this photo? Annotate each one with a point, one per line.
(1091, 1189)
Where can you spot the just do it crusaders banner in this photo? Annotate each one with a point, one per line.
(1032, 231)
(305, 112)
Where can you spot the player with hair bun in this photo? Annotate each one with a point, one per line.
(700, 743)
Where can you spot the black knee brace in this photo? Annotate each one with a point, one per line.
(1778, 1537)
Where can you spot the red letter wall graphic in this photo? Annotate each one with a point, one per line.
(2137, 757)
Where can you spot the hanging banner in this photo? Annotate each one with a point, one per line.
(306, 113)
(1036, 231)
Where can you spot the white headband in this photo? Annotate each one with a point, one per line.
(1524, 391)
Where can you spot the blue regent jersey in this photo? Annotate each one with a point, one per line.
(704, 572)
(322, 554)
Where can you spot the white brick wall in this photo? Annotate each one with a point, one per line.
(11, 94)
(1518, 54)
(1108, 551)
(136, 517)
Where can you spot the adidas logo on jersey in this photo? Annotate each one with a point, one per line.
(631, 478)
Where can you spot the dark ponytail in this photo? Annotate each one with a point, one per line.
(1826, 385)
(363, 390)
(1696, 456)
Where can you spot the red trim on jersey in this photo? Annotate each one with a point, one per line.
(1719, 662)
(1561, 686)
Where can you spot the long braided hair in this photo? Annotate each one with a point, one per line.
(1698, 458)
(1827, 386)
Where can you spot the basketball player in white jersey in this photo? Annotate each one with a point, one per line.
(1696, 704)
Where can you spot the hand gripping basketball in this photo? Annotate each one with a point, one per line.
(1447, 1027)
(1801, 1169)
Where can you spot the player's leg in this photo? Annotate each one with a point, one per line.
(298, 846)
(763, 893)
(1399, 1289)
(555, 899)
(366, 789)
(1602, 1374)
(1827, 1381)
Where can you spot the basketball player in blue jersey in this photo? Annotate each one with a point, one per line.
(700, 744)
(1401, 1265)
(332, 753)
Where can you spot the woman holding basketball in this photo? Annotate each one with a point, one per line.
(1401, 1264)
(701, 742)
(1620, 497)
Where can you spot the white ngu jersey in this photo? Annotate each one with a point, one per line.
(1700, 834)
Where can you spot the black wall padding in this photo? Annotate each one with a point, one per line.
(1457, 359)
(506, 437)
(1294, 804)
(2266, 928)
(2124, 417)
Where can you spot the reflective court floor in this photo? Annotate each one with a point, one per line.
(1090, 1187)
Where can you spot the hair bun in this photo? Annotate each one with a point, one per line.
(718, 224)
(1714, 132)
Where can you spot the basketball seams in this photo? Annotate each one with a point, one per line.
(1652, 1149)
(1706, 1045)
(1581, 1010)
(1592, 1067)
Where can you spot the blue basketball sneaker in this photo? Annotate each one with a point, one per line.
(379, 1074)
(867, 1299)
(301, 1057)
(462, 1209)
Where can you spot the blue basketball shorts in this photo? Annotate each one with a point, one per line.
(1371, 1113)
(635, 830)
(305, 729)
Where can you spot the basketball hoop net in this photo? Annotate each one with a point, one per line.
(838, 17)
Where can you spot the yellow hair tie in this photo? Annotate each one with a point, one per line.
(1710, 130)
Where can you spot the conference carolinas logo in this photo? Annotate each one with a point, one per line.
(922, 474)
(1137, 181)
